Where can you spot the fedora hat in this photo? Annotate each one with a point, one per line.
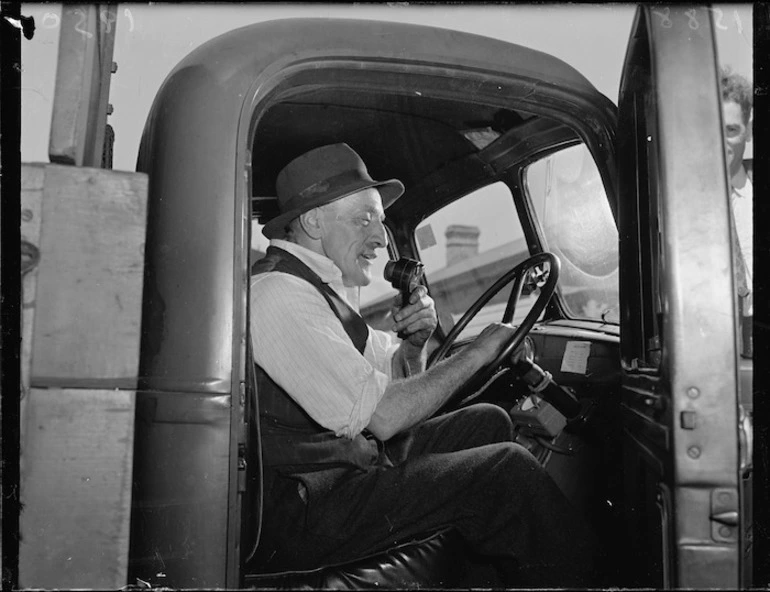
(319, 177)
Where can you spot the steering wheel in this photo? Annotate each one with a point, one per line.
(519, 274)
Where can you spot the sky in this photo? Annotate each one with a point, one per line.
(151, 39)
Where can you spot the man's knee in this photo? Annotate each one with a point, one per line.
(494, 420)
(510, 465)
(516, 455)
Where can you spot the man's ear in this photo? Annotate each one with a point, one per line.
(310, 222)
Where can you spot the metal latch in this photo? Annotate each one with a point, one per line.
(242, 466)
(724, 515)
(688, 420)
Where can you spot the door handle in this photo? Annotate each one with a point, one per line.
(725, 514)
(729, 518)
(746, 439)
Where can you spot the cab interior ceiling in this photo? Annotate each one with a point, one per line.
(438, 148)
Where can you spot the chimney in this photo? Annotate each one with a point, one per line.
(461, 242)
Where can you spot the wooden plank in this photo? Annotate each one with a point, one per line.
(81, 93)
(76, 489)
(89, 286)
(32, 180)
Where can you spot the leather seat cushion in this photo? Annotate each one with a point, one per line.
(437, 561)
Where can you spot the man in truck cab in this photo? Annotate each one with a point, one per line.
(354, 459)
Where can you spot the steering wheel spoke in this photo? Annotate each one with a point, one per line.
(539, 271)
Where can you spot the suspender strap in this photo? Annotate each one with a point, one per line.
(277, 259)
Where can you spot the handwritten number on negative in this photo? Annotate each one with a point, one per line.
(693, 21)
(107, 20)
(52, 20)
(665, 18)
(48, 17)
(719, 14)
(83, 18)
(130, 18)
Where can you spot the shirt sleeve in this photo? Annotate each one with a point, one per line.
(384, 347)
(303, 347)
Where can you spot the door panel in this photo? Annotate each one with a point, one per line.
(678, 317)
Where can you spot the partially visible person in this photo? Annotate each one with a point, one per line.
(736, 115)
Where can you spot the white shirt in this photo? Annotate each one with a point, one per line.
(302, 345)
(741, 198)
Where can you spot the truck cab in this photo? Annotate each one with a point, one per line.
(506, 153)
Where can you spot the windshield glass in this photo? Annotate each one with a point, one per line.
(576, 223)
(468, 245)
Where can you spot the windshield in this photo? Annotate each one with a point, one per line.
(576, 223)
(468, 245)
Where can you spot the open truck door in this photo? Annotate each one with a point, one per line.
(680, 360)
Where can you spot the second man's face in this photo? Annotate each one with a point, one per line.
(736, 134)
(353, 230)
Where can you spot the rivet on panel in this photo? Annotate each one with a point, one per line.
(693, 392)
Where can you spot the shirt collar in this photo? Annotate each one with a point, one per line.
(324, 267)
(740, 181)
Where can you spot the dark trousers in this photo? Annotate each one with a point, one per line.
(460, 469)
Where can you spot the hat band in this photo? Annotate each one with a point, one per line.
(323, 187)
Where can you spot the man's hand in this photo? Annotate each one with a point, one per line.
(492, 339)
(417, 320)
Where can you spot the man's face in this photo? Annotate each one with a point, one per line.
(737, 133)
(352, 229)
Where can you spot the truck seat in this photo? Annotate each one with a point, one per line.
(435, 561)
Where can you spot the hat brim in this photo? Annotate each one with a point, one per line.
(390, 191)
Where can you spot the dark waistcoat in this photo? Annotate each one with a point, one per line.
(292, 442)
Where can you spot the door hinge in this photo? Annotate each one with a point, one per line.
(725, 518)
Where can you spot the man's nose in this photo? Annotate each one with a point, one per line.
(379, 234)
